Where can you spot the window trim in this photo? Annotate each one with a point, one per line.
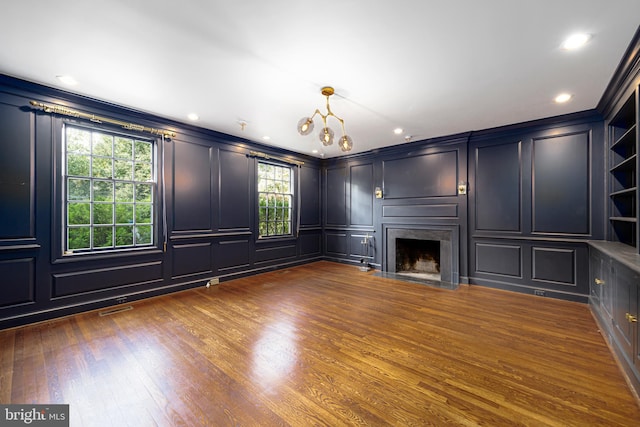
(60, 196)
(293, 178)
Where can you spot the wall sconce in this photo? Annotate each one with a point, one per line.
(378, 193)
(305, 125)
(462, 188)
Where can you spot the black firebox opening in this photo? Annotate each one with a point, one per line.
(417, 256)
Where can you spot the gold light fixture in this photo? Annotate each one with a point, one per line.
(305, 125)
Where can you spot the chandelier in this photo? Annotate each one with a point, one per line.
(305, 125)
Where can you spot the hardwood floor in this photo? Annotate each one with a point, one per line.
(323, 344)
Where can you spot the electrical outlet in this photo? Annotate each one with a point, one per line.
(538, 292)
(121, 300)
(213, 282)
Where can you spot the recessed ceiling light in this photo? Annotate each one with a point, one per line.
(562, 98)
(193, 116)
(576, 41)
(398, 131)
(314, 151)
(266, 138)
(68, 80)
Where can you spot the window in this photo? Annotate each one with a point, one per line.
(109, 190)
(275, 200)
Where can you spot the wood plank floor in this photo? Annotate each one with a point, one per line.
(323, 344)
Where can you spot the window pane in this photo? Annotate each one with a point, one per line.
(79, 213)
(124, 192)
(123, 170)
(124, 149)
(102, 145)
(102, 168)
(143, 213)
(143, 152)
(78, 141)
(143, 234)
(79, 238)
(124, 214)
(103, 191)
(78, 165)
(143, 172)
(143, 193)
(78, 189)
(102, 237)
(124, 236)
(102, 213)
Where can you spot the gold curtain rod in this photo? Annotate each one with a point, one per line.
(57, 109)
(268, 157)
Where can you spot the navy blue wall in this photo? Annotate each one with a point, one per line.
(535, 197)
(211, 214)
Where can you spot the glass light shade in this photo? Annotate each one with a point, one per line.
(326, 136)
(305, 126)
(346, 143)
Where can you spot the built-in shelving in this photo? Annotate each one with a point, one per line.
(623, 161)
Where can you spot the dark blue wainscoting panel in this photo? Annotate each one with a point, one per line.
(16, 186)
(191, 187)
(275, 253)
(310, 244)
(85, 281)
(448, 210)
(17, 281)
(505, 260)
(232, 254)
(235, 199)
(561, 184)
(554, 265)
(336, 244)
(336, 212)
(498, 183)
(192, 259)
(310, 193)
(427, 175)
(362, 195)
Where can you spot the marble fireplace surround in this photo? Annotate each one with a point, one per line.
(447, 235)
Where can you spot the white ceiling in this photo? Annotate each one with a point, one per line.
(431, 67)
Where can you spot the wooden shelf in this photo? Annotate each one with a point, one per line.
(627, 138)
(628, 192)
(623, 219)
(627, 164)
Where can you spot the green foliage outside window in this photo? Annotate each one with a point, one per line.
(275, 197)
(109, 190)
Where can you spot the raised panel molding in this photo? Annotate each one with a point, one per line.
(362, 195)
(81, 282)
(192, 187)
(498, 175)
(336, 207)
(561, 184)
(427, 175)
(275, 253)
(310, 244)
(192, 259)
(232, 254)
(18, 281)
(554, 265)
(336, 244)
(310, 179)
(234, 198)
(504, 260)
(17, 163)
(449, 210)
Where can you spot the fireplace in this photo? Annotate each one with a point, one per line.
(425, 254)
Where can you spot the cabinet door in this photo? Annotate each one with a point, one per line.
(597, 279)
(625, 310)
(606, 292)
